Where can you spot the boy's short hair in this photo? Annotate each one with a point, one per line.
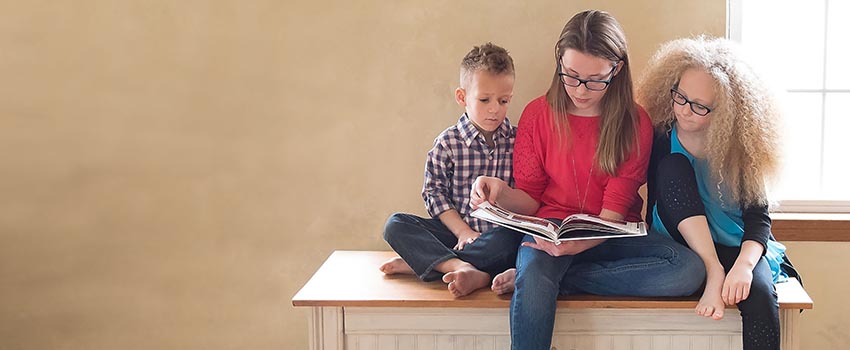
(488, 57)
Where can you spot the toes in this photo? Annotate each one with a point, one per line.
(455, 290)
(718, 314)
(705, 310)
(449, 277)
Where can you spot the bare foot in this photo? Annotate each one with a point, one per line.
(466, 279)
(504, 282)
(711, 304)
(396, 265)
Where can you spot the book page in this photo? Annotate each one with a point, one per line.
(586, 220)
(526, 224)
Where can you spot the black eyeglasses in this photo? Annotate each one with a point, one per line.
(698, 109)
(590, 84)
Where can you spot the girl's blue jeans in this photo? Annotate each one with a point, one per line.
(649, 266)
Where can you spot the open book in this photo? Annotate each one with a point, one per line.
(574, 227)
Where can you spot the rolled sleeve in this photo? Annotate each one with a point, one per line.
(756, 225)
(437, 188)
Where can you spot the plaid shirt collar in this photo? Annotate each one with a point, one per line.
(469, 132)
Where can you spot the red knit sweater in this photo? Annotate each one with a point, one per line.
(544, 169)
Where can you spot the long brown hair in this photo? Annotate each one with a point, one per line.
(597, 33)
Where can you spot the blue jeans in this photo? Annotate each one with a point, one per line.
(646, 266)
(425, 243)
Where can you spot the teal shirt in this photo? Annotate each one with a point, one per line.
(724, 215)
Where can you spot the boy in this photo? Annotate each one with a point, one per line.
(451, 243)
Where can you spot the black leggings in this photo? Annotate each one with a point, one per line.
(678, 199)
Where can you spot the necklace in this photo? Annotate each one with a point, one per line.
(586, 187)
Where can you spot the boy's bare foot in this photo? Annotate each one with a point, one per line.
(466, 279)
(711, 304)
(396, 265)
(504, 282)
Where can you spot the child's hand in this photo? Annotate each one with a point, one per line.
(465, 238)
(565, 248)
(736, 287)
(486, 189)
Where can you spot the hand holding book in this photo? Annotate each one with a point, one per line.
(572, 247)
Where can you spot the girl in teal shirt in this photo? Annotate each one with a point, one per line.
(715, 149)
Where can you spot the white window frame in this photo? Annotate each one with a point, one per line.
(734, 19)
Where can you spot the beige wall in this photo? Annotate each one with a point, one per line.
(174, 171)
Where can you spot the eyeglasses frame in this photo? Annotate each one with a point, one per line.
(674, 92)
(607, 82)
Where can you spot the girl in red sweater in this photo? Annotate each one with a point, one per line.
(584, 147)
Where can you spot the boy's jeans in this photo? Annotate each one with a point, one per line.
(425, 243)
(642, 266)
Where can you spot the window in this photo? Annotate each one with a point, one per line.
(802, 49)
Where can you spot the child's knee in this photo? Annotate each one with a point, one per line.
(536, 283)
(395, 226)
(686, 275)
(502, 240)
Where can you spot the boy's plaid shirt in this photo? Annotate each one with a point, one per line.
(460, 154)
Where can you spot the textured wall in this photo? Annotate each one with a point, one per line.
(174, 171)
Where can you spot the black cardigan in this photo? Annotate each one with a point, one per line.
(756, 219)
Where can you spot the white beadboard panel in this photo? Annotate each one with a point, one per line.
(788, 320)
(603, 342)
(680, 342)
(572, 342)
(621, 342)
(738, 343)
(406, 342)
(464, 342)
(585, 342)
(485, 342)
(445, 342)
(426, 342)
(503, 342)
(641, 342)
(334, 328)
(366, 342)
(719, 342)
(426, 321)
(662, 342)
(496, 321)
(325, 328)
(642, 321)
(387, 342)
(700, 342)
(561, 343)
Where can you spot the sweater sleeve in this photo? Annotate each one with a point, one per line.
(529, 173)
(756, 225)
(622, 189)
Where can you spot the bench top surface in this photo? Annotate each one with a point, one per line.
(352, 278)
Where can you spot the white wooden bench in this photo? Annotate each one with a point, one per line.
(355, 306)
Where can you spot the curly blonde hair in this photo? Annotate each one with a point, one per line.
(742, 143)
